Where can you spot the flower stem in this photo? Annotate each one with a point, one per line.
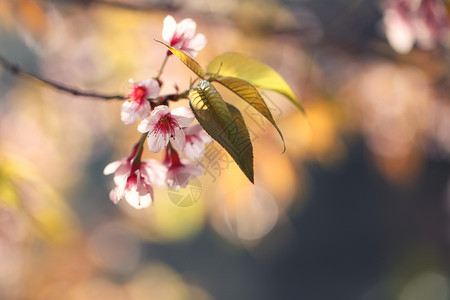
(136, 160)
(172, 158)
(164, 100)
(185, 94)
(162, 67)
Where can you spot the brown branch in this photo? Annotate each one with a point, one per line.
(15, 69)
(161, 5)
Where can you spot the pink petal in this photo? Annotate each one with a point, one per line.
(197, 43)
(120, 189)
(194, 147)
(194, 168)
(178, 177)
(398, 32)
(169, 28)
(132, 197)
(129, 113)
(205, 137)
(145, 201)
(119, 179)
(195, 141)
(112, 167)
(159, 112)
(178, 180)
(132, 182)
(146, 189)
(157, 141)
(137, 201)
(183, 115)
(141, 194)
(189, 52)
(143, 109)
(113, 196)
(177, 44)
(425, 36)
(179, 139)
(194, 129)
(122, 173)
(186, 28)
(155, 171)
(146, 125)
(152, 87)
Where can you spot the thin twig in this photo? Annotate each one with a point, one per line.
(162, 67)
(138, 7)
(15, 69)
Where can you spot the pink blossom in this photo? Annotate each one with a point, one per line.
(196, 138)
(136, 190)
(178, 175)
(137, 106)
(163, 125)
(180, 171)
(155, 171)
(134, 184)
(409, 21)
(182, 36)
(120, 168)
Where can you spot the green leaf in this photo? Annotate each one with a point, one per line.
(189, 62)
(254, 72)
(224, 123)
(249, 93)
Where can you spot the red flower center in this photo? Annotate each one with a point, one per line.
(139, 93)
(166, 125)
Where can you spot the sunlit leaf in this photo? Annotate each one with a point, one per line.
(249, 93)
(242, 139)
(254, 72)
(224, 123)
(189, 62)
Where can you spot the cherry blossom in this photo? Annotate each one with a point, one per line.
(134, 184)
(182, 36)
(136, 190)
(154, 170)
(120, 168)
(137, 106)
(196, 138)
(178, 176)
(163, 125)
(409, 21)
(180, 171)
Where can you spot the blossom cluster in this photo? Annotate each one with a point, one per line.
(164, 129)
(407, 22)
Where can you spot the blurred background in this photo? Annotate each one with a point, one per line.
(357, 207)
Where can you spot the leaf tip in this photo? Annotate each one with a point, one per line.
(250, 177)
